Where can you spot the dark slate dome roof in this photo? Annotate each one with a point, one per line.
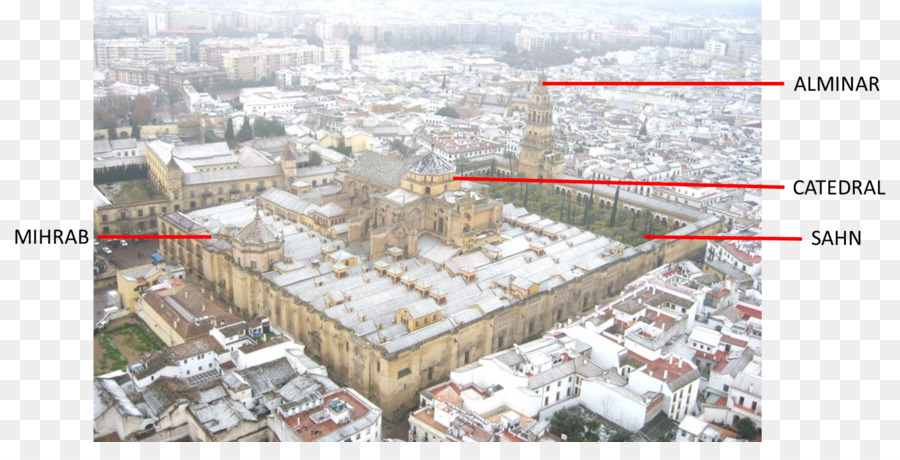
(257, 232)
(431, 164)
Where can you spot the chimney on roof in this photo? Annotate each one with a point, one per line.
(203, 308)
(665, 374)
(670, 360)
(680, 363)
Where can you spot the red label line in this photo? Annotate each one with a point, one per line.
(154, 237)
(723, 237)
(663, 83)
(614, 182)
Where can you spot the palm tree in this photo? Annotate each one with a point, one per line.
(461, 164)
(509, 156)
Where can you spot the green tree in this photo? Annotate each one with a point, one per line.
(264, 127)
(111, 133)
(123, 134)
(525, 205)
(444, 83)
(229, 133)
(447, 112)
(585, 222)
(461, 164)
(400, 146)
(246, 132)
(510, 156)
(643, 131)
(746, 429)
(620, 436)
(210, 137)
(315, 158)
(574, 425)
(615, 209)
(136, 132)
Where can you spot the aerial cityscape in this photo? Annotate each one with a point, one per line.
(362, 284)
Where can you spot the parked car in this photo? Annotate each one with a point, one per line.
(106, 250)
(123, 244)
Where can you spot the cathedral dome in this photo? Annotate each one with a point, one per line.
(257, 232)
(431, 165)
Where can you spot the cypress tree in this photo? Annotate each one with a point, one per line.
(246, 132)
(590, 206)
(615, 209)
(229, 133)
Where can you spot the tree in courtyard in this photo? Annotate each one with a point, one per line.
(229, 133)
(142, 111)
(136, 132)
(315, 158)
(615, 209)
(246, 132)
(525, 205)
(574, 425)
(111, 133)
(585, 221)
(447, 112)
(461, 164)
(510, 156)
(746, 429)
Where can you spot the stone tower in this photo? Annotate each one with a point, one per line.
(537, 158)
(289, 168)
(174, 182)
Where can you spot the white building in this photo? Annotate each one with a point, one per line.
(676, 378)
(336, 51)
(195, 360)
(715, 47)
